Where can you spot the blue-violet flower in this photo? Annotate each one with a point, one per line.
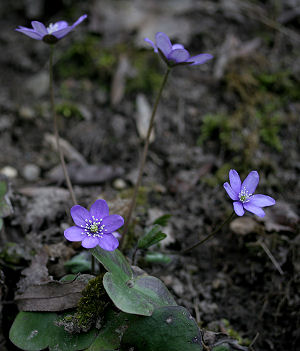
(94, 227)
(242, 194)
(51, 34)
(175, 54)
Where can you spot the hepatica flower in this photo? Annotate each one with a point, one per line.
(242, 194)
(175, 54)
(52, 33)
(94, 227)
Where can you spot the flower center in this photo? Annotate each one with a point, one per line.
(52, 28)
(244, 195)
(93, 228)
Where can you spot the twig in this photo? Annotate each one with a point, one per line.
(210, 235)
(271, 257)
(143, 159)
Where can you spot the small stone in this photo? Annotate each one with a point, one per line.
(243, 225)
(31, 172)
(38, 85)
(143, 116)
(119, 184)
(26, 112)
(9, 172)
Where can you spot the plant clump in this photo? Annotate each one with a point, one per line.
(90, 308)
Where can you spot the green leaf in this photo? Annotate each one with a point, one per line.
(34, 331)
(114, 262)
(1, 223)
(163, 220)
(79, 263)
(30, 330)
(61, 340)
(157, 257)
(110, 335)
(169, 328)
(139, 295)
(152, 237)
(132, 294)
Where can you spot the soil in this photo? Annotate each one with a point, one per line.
(239, 111)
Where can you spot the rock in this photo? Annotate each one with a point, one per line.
(119, 184)
(143, 116)
(31, 172)
(26, 112)
(38, 85)
(243, 225)
(9, 172)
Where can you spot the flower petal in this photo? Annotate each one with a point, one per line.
(151, 43)
(62, 32)
(199, 59)
(232, 194)
(90, 242)
(30, 33)
(80, 19)
(108, 242)
(178, 55)
(177, 46)
(74, 234)
(39, 28)
(235, 181)
(163, 43)
(99, 209)
(238, 208)
(250, 183)
(254, 209)
(79, 215)
(112, 223)
(260, 200)
(61, 25)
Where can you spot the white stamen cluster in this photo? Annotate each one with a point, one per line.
(52, 28)
(244, 195)
(93, 228)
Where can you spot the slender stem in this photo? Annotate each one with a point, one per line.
(228, 219)
(54, 116)
(143, 159)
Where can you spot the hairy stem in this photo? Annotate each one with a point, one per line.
(143, 159)
(55, 123)
(228, 219)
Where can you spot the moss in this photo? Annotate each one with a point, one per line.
(234, 334)
(148, 75)
(68, 109)
(87, 59)
(258, 117)
(90, 308)
(93, 302)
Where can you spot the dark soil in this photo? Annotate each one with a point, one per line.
(239, 111)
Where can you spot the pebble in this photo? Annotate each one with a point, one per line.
(31, 172)
(119, 184)
(38, 85)
(26, 112)
(9, 172)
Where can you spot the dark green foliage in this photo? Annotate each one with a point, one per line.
(34, 331)
(131, 293)
(151, 237)
(169, 328)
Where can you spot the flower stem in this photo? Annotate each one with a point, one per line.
(143, 159)
(55, 123)
(228, 219)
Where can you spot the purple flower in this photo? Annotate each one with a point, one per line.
(175, 54)
(242, 194)
(94, 227)
(51, 34)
